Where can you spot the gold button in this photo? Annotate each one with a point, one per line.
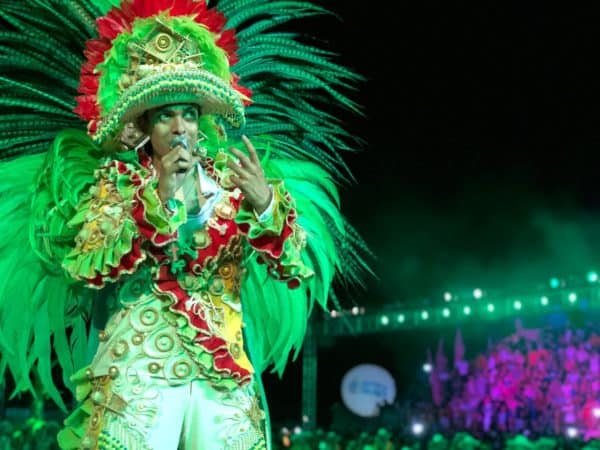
(182, 369)
(153, 367)
(225, 270)
(89, 374)
(120, 349)
(235, 350)
(201, 239)
(164, 343)
(137, 339)
(102, 336)
(113, 371)
(98, 397)
(149, 316)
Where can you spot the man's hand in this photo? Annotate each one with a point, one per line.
(250, 177)
(172, 171)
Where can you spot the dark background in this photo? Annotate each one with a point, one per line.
(480, 161)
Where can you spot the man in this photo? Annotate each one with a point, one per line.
(212, 259)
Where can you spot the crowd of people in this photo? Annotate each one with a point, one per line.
(536, 382)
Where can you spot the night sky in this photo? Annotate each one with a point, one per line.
(480, 161)
(481, 154)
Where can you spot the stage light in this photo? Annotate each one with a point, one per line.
(544, 300)
(592, 276)
(477, 293)
(447, 296)
(490, 307)
(385, 320)
(572, 432)
(517, 304)
(467, 310)
(400, 318)
(572, 297)
(554, 283)
(427, 368)
(305, 419)
(417, 428)
(334, 313)
(297, 430)
(355, 310)
(446, 312)
(596, 413)
(424, 315)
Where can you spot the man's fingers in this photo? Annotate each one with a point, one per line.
(237, 169)
(251, 150)
(244, 160)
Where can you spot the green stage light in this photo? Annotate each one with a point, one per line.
(518, 305)
(384, 320)
(467, 310)
(592, 276)
(490, 307)
(400, 318)
(478, 293)
(572, 297)
(544, 301)
(554, 283)
(446, 312)
(424, 315)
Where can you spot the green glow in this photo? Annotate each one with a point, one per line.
(518, 305)
(424, 315)
(446, 312)
(467, 310)
(544, 301)
(490, 307)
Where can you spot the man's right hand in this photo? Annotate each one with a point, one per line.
(174, 165)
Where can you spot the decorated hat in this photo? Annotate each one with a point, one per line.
(151, 53)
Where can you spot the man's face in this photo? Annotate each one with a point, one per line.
(170, 121)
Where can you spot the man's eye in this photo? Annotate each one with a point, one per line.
(164, 116)
(190, 115)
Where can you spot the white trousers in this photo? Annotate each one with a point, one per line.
(193, 416)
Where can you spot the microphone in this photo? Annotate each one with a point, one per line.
(180, 140)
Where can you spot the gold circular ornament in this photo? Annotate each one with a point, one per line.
(113, 371)
(89, 374)
(163, 42)
(149, 316)
(235, 350)
(98, 397)
(137, 339)
(164, 343)
(182, 369)
(225, 270)
(153, 367)
(103, 336)
(120, 349)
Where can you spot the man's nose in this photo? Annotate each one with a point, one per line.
(178, 125)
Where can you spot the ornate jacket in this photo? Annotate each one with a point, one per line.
(179, 315)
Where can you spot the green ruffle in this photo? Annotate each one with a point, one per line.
(290, 262)
(76, 424)
(156, 214)
(273, 226)
(116, 233)
(187, 335)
